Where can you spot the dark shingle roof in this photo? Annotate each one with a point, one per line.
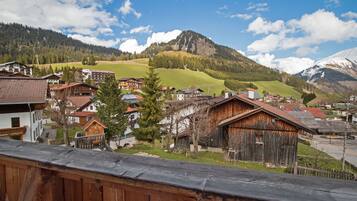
(22, 90)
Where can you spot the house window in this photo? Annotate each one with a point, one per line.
(33, 118)
(91, 107)
(15, 122)
(259, 139)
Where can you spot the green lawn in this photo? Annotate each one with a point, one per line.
(178, 78)
(210, 158)
(71, 132)
(276, 87)
(311, 157)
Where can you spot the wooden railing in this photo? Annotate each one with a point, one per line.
(16, 132)
(41, 172)
(90, 142)
(329, 173)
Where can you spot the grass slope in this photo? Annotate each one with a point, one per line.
(178, 78)
(276, 87)
(181, 78)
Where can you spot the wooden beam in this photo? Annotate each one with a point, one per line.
(31, 184)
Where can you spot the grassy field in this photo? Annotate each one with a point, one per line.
(178, 78)
(276, 87)
(210, 158)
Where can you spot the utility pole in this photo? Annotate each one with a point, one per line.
(344, 139)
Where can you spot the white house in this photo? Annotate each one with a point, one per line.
(22, 101)
(16, 67)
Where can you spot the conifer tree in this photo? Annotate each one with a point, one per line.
(150, 108)
(111, 108)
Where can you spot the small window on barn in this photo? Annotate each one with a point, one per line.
(259, 139)
(15, 122)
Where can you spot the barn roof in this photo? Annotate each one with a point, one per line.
(70, 85)
(266, 108)
(22, 90)
(203, 178)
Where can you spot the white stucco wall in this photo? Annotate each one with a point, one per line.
(33, 120)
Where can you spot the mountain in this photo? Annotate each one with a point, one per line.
(194, 51)
(23, 43)
(336, 73)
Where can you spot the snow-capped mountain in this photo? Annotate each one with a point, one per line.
(334, 73)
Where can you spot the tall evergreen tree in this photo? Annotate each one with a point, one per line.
(111, 108)
(150, 108)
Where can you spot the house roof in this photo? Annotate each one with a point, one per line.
(22, 90)
(203, 178)
(82, 114)
(92, 121)
(306, 118)
(316, 112)
(51, 75)
(326, 126)
(60, 87)
(266, 108)
(79, 101)
(14, 62)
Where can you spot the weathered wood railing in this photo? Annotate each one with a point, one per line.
(334, 174)
(90, 142)
(40, 172)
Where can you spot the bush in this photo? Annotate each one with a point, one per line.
(236, 85)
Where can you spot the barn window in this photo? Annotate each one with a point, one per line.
(259, 139)
(15, 122)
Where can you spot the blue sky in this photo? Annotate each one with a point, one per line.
(288, 35)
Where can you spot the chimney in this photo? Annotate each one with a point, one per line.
(251, 94)
(227, 94)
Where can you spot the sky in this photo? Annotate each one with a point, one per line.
(288, 35)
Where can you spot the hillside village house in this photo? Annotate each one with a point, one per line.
(81, 108)
(183, 94)
(16, 67)
(22, 101)
(130, 83)
(97, 76)
(73, 89)
(53, 79)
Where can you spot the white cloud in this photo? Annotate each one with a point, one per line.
(241, 52)
(241, 16)
(141, 29)
(310, 30)
(132, 45)
(68, 15)
(127, 8)
(304, 51)
(258, 7)
(95, 41)
(350, 15)
(291, 65)
(261, 26)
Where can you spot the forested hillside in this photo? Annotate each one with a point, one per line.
(196, 52)
(31, 45)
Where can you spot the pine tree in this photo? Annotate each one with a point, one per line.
(150, 109)
(111, 108)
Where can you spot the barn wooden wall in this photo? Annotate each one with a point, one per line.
(22, 180)
(279, 145)
(217, 114)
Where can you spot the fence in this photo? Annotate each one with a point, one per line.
(330, 173)
(90, 142)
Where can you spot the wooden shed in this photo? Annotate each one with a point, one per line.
(94, 127)
(251, 130)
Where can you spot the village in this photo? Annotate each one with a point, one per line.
(237, 129)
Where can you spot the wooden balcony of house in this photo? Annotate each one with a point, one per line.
(14, 133)
(30, 171)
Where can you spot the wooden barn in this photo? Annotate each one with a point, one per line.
(251, 130)
(94, 127)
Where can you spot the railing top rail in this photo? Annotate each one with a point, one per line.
(202, 178)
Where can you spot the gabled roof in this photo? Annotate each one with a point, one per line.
(261, 106)
(79, 101)
(316, 112)
(14, 62)
(22, 90)
(82, 114)
(92, 121)
(70, 85)
(50, 75)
